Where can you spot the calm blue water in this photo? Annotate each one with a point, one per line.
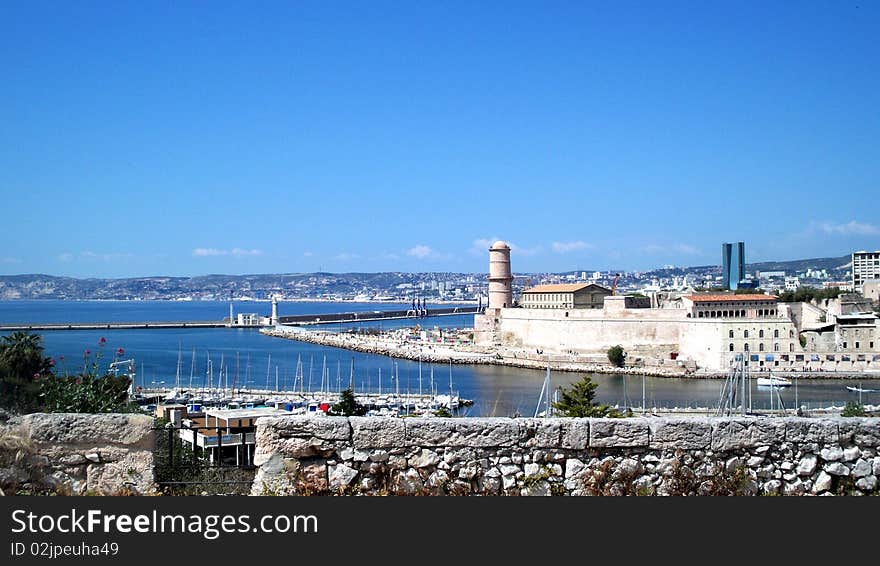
(495, 390)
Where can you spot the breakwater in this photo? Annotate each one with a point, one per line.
(638, 456)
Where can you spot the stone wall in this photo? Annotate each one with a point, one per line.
(637, 456)
(78, 454)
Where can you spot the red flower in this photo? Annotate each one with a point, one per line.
(88, 352)
(79, 381)
(61, 358)
(102, 341)
(120, 351)
(52, 362)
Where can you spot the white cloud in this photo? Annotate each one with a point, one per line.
(345, 256)
(849, 228)
(420, 251)
(566, 247)
(480, 247)
(65, 257)
(687, 249)
(308, 254)
(10, 260)
(89, 255)
(239, 252)
(236, 252)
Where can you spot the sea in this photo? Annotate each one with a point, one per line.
(168, 357)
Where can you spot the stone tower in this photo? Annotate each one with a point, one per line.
(274, 319)
(500, 277)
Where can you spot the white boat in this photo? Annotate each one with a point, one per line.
(773, 381)
(858, 389)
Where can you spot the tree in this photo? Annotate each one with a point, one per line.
(579, 401)
(616, 356)
(22, 365)
(348, 406)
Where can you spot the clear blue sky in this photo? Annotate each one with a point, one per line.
(183, 138)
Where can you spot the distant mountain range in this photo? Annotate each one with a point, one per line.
(307, 285)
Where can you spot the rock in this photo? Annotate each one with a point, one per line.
(377, 432)
(341, 476)
(409, 482)
(492, 472)
(532, 469)
(732, 433)
(683, 433)
(868, 432)
(807, 465)
(733, 464)
(823, 483)
(469, 433)
(831, 453)
(469, 471)
(806, 430)
(379, 456)
(786, 466)
(837, 469)
(508, 482)
(619, 433)
(346, 453)
(424, 459)
(867, 483)
(755, 461)
(93, 457)
(575, 433)
(509, 470)
(438, 479)
(861, 469)
(73, 460)
(539, 489)
(794, 488)
(851, 454)
(489, 485)
(627, 468)
(539, 433)
(772, 487)
(790, 477)
(875, 466)
(573, 467)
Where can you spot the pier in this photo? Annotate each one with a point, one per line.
(295, 320)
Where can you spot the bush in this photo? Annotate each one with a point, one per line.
(853, 409)
(348, 406)
(616, 356)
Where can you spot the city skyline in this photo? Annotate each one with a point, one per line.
(172, 140)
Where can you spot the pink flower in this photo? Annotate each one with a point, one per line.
(61, 358)
(88, 352)
(102, 341)
(120, 351)
(79, 381)
(52, 362)
(36, 376)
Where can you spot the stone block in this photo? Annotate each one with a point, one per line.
(687, 434)
(619, 433)
(471, 433)
(377, 432)
(539, 433)
(732, 433)
(75, 429)
(575, 433)
(867, 435)
(804, 430)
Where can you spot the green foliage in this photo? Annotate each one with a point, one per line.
(348, 406)
(803, 340)
(86, 394)
(443, 412)
(808, 294)
(22, 366)
(616, 356)
(853, 409)
(579, 401)
(758, 291)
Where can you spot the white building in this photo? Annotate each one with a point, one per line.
(865, 266)
(792, 283)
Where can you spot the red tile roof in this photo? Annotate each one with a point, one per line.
(729, 298)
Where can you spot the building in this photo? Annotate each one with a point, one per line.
(871, 290)
(792, 283)
(574, 296)
(865, 266)
(500, 277)
(733, 265)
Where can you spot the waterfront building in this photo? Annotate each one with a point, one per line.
(574, 296)
(865, 266)
(733, 265)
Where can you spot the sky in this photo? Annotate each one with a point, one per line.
(188, 138)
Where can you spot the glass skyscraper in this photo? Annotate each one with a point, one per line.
(733, 265)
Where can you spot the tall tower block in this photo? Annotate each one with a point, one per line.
(500, 277)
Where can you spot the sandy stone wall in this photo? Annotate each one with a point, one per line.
(78, 454)
(639, 456)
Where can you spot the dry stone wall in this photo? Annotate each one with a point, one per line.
(501, 456)
(106, 454)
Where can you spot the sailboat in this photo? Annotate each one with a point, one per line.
(773, 381)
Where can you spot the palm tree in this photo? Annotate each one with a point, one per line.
(21, 356)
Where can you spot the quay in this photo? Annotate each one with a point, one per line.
(372, 316)
(11, 327)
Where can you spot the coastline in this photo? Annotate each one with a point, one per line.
(394, 346)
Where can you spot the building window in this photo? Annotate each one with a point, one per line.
(844, 344)
(745, 333)
(731, 347)
(791, 333)
(857, 345)
(791, 347)
(776, 333)
(760, 334)
(872, 345)
(746, 347)
(730, 335)
(761, 347)
(775, 347)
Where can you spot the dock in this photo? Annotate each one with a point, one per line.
(11, 327)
